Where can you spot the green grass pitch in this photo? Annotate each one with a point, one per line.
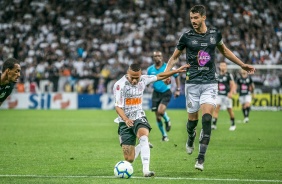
(81, 146)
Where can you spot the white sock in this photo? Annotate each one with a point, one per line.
(145, 153)
(137, 150)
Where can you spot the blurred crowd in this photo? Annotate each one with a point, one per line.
(85, 45)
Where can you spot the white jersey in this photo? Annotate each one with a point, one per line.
(129, 97)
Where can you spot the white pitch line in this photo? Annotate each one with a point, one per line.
(159, 178)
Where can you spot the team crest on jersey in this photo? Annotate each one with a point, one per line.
(247, 80)
(2, 95)
(194, 42)
(118, 87)
(212, 40)
(203, 58)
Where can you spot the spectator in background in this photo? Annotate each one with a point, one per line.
(51, 30)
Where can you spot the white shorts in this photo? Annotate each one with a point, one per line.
(198, 94)
(224, 101)
(245, 99)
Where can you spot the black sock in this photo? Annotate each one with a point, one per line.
(205, 135)
(191, 130)
(214, 121)
(248, 111)
(244, 112)
(232, 120)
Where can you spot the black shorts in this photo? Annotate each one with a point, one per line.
(160, 98)
(127, 135)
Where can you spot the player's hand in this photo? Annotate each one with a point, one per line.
(183, 68)
(167, 81)
(129, 122)
(176, 93)
(249, 68)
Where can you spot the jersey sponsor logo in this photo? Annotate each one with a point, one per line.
(203, 68)
(212, 31)
(7, 87)
(221, 87)
(203, 58)
(212, 40)
(204, 44)
(244, 87)
(133, 101)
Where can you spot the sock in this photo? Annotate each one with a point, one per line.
(205, 135)
(137, 151)
(232, 120)
(166, 118)
(161, 127)
(145, 153)
(248, 111)
(214, 121)
(191, 130)
(244, 112)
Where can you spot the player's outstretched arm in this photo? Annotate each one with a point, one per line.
(167, 74)
(231, 56)
(173, 59)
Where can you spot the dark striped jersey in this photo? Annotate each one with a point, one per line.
(6, 90)
(244, 85)
(224, 83)
(200, 54)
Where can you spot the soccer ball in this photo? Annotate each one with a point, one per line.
(123, 169)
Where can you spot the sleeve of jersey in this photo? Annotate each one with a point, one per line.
(219, 38)
(181, 42)
(119, 99)
(148, 71)
(150, 78)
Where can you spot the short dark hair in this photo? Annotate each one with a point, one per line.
(135, 67)
(9, 63)
(199, 9)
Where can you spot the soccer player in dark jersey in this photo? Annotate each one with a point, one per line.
(226, 89)
(9, 77)
(162, 94)
(246, 88)
(201, 84)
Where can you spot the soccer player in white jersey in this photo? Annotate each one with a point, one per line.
(201, 85)
(128, 93)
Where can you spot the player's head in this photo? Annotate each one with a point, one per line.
(12, 69)
(244, 73)
(134, 73)
(197, 16)
(157, 57)
(223, 67)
